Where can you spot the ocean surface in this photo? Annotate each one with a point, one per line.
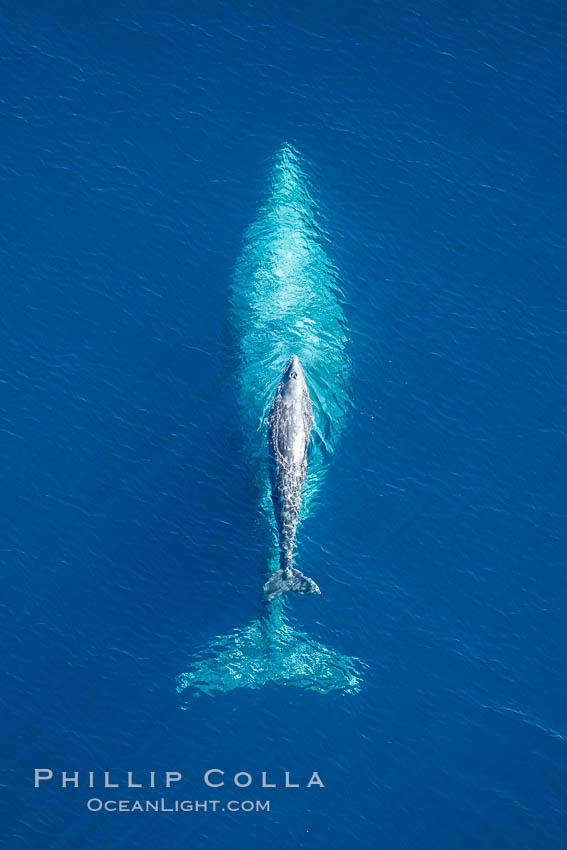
(192, 192)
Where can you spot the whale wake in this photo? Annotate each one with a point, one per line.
(268, 651)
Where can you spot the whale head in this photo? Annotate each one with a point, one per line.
(293, 382)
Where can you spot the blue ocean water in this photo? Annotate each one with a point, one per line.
(395, 171)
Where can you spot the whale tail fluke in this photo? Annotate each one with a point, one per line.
(288, 578)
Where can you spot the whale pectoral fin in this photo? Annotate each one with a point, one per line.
(289, 579)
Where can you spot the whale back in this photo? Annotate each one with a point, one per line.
(291, 417)
(289, 432)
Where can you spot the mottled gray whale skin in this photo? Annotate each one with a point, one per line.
(289, 432)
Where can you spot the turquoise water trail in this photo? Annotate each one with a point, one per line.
(270, 650)
(285, 299)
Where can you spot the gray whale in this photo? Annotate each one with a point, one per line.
(289, 432)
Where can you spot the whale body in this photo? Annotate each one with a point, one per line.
(289, 433)
(285, 299)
